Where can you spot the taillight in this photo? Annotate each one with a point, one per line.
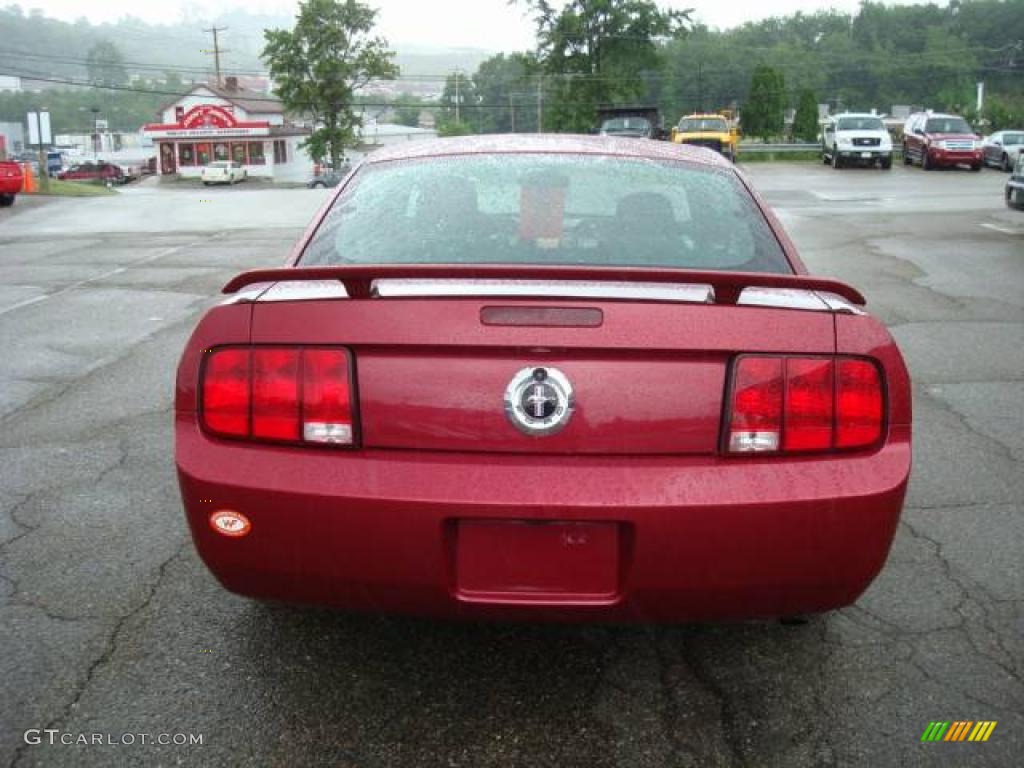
(781, 404)
(285, 394)
(756, 405)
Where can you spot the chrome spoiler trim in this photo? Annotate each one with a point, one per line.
(359, 279)
(566, 289)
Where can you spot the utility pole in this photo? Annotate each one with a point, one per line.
(700, 86)
(457, 96)
(540, 103)
(42, 155)
(216, 52)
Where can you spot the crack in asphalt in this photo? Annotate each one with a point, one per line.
(1006, 664)
(1002, 449)
(53, 395)
(113, 638)
(670, 712)
(727, 714)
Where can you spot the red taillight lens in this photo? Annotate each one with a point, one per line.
(288, 394)
(756, 423)
(859, 404)
(799, 404)
(809, 397)
(226, 392)
(275, 393)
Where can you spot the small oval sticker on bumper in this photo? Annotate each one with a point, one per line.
(230, 523)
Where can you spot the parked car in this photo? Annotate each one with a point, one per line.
(11, 180)
(94, 171)
(223, 172)
(935, 140)
(856, 139)
(544, 377)
(325, 177)
(1002, 149)
(1015, 185)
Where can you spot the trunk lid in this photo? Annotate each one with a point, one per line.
(649, 376)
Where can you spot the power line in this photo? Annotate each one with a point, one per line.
(216, 50)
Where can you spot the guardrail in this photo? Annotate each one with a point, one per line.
(755, 148)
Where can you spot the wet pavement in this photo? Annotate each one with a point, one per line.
(110, 625)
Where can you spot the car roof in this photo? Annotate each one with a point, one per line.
(548, 143)
(855, 114)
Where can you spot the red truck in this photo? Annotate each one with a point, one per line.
(11, 180)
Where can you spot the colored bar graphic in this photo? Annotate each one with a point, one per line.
(958, 730)
(935, 730)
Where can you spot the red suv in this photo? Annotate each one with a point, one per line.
(88, 171)
(941, 140)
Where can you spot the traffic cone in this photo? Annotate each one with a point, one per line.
(29, 185)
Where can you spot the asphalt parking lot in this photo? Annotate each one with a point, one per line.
(110, 624)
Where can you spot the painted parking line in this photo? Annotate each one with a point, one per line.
(109, 273)
(1013, 231)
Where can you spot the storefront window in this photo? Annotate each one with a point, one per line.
(203, 153)
(220, 151)
(238, 153)
(280, 152)
(186, 154)
(256, 153)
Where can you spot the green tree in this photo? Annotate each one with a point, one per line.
(506, 88)
(763, 110)
(105, 65)
(805, 124)
(454, 128)
(320, 64)
(407, 110)
(458, 88)
(596, 51)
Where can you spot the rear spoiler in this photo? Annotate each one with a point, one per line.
(358, 279)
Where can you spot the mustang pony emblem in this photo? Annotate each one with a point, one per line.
(539, 400)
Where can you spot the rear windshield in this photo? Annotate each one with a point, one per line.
(859, 124)
(947, 125)
(220, 165)
(546, 209)
(702, 124)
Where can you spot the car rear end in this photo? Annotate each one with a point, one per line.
(11, 181)
(216, 173)
(602, 441)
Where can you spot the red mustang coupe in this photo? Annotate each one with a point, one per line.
(555, 377)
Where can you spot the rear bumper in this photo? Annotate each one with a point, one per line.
(693, 538)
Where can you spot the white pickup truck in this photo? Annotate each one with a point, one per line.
(856, 139)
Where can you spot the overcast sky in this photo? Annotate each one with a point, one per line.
(489, 24)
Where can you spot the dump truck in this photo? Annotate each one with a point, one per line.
(639, 122)
(716, 131)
